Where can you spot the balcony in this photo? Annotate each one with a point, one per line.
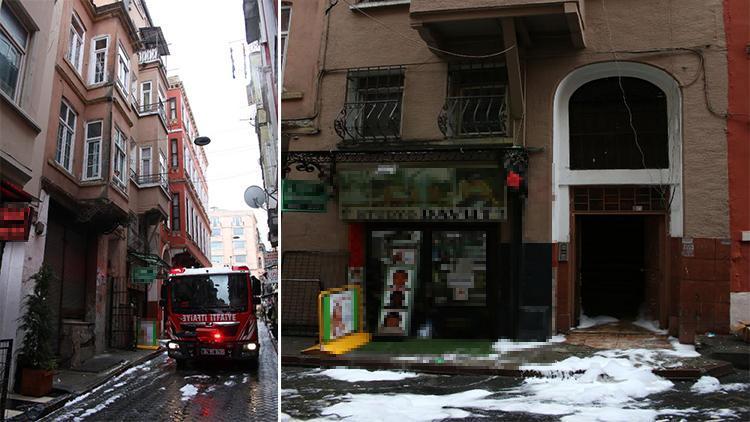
(441, 22)
(149, 56)
(474, 116)
(154, 108)
(157, 179)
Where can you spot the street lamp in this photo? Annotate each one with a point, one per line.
(202, 141)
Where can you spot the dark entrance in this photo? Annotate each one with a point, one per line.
(454, 281)
(612, 264)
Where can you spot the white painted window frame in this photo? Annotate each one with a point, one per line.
(87, 145)
(146, 170)
(123, 80)
(92, 60)
(285, 36)
(563, 177)
(74, 35)
(64, 129)
(149, 91)
(119, 157)
(23, 52)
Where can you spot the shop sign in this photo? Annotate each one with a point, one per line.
(145, 274)
(303, 196)
(15, 224)
(452, 194)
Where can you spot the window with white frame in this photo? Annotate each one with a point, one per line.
(14, 39)
(145, 161)
(92, 150)
(120, 156)
(133, 159)
(123, 69)
(286, 15)
(75, 43)
(173, 153)
(145, 95)
(172, 109)
(66, 136)
(98, 64)
(162, 165)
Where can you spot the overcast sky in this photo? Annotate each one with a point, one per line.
(200, 34)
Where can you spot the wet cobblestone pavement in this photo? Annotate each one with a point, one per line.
(158, 391)
(305, 395)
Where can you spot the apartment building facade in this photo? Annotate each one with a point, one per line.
(520, 163)
(188, 232)
(28, 39)
(235, 240)
(261, 31)
(91, 85)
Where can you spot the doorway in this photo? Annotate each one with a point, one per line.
(619, 265)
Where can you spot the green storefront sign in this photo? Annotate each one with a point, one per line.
(303, 196)
(145, 274)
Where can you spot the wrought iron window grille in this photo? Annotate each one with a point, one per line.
(372, 111)
(476, 103)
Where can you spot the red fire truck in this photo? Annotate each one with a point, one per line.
(210, 313)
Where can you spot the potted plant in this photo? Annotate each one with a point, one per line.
(36, 358)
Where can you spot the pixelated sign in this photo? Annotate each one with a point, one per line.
(148, 334)
(339, 313)
(423, 193)
(303, 196)
(15, 224)
(144, 274)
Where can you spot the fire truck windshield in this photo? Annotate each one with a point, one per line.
(210, 293)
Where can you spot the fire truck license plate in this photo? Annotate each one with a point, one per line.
(213, 352)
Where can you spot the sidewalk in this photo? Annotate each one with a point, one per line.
(68, 383)
(506, 358)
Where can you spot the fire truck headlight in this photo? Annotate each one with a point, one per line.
(173, 346)
(251, 346)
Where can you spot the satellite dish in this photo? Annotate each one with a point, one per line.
(255, 197)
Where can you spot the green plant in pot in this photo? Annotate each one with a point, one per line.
(37, 359)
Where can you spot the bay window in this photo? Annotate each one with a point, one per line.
(92, 150)
(98, 65)
(65, 136)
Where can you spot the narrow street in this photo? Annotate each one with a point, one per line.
(157, 390)
(385, 395)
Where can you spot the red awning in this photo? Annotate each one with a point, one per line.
(10, 192)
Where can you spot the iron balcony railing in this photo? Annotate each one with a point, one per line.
(474, 116)
(377, 120)
(148, 56)
(152, 108)
(155, 179)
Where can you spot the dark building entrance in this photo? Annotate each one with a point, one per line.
(619, 265)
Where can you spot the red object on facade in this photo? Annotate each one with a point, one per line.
(513, 180)
(356, 245)
(15, 224)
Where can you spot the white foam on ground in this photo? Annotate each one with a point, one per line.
(201, 377)
(682, 350)
(229, 383)
(98, 407)
(289, 392)
(504, 345)
(358, 375)
(707, 384)
(605, 389)
(586, 321)
(188, 391)
(652, 326)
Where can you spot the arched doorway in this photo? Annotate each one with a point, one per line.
(617, 185)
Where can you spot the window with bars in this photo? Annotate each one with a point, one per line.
(373, 104)
(476, 101)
